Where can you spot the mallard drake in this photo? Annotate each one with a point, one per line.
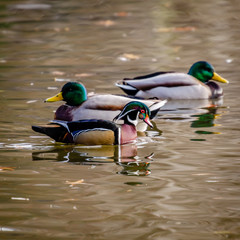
(99, 132)
(171, 85)
(99, 106)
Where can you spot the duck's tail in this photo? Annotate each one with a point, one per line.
(55, 131)
(128, 89)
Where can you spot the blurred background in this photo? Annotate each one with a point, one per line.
(179, 181)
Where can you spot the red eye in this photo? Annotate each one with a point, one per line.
(142, 111)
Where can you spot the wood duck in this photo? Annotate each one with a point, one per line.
(99, 106)
(195, 84)
(99, 132)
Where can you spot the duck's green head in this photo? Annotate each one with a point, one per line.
(204, 72)
(72, 93)
(132, 112)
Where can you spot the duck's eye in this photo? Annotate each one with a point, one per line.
(208, 69)
(142, 111)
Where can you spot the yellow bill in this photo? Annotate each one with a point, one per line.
(218, 78)
(55, 98)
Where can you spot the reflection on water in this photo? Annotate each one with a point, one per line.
(206, 119)
(135, 168)
(122, 155)
(190, 107)
(190, 190)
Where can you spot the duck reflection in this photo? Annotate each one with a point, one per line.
(205, 120)
(184, 109)
(134, 168)
(122, 155)
(200, 113)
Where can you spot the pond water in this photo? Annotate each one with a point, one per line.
(179, 181)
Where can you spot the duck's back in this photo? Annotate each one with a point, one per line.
(104, 106)
(170, 86)
(163, 80)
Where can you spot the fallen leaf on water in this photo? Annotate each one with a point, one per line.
(20, 198)
(31, 101)
(81, 181)
(121, 14)
(67, 200)
(176, 49)
(129, 56)
(57, 29)
(76, 182)
(61, 80)
(185, 29)
(167, 5)
(83, 75)
(106, 23)
(176, 29)
(58, 73)
(222, 232)
(4, 169)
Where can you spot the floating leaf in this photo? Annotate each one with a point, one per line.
(106, 23)
(75, 182)
(20, 198)
(129, 56)
(185, 29)
(4, 169)
(81, 181)
(167, 4)
(31, 101)
(62, 80)
(33, 6)
(58, 73)
(222, 232)
(176, 29)
(83, 75)
(176, 49)
(121, 14)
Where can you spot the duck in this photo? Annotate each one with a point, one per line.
(196, 84)
(121, 130)
(79, 105)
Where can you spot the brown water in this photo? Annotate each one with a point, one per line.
(189, 188)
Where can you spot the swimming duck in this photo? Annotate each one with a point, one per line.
(195, 84)
(99, 132)
(99, 106)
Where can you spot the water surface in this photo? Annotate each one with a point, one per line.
(179, 181)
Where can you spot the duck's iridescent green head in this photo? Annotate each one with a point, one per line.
(133, 111)
(72, 93)
(204, 72)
